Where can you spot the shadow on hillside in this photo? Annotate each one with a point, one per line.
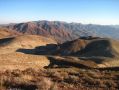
(64, 63)
(54, 62)
(49, 49)
(5, 41)
(99, 48)
(94, 59)
(52, 49)
(26, 51)
(22, 87)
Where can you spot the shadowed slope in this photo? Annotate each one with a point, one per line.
(101, 47)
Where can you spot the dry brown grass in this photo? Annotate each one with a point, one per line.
(60, 79)
(5, 33)
(25, 71)
(25, 42)
(22, 61)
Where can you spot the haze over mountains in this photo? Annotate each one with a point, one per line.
(63, 31)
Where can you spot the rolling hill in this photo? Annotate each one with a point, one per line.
(102, 51)
(4, 33)
(11, 48)
(23, 41)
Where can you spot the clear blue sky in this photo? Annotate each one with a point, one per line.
(84, 11)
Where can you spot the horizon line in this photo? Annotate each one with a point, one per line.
(56, 21)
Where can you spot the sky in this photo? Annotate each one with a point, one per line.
(103, 12)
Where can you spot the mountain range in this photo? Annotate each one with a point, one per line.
(63, 31)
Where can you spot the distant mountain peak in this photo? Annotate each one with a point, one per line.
(63, 31)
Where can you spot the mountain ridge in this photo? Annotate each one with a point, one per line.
(63, 31)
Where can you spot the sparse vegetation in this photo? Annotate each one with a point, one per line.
(59, 79)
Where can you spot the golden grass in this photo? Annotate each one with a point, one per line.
(22, 61)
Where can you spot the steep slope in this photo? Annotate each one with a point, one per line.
(63, 31)
(92, 46)
(45, 28)
(72, 47)
(101, 47)
(103, 51)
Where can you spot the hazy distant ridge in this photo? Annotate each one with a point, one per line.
(63, 31)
